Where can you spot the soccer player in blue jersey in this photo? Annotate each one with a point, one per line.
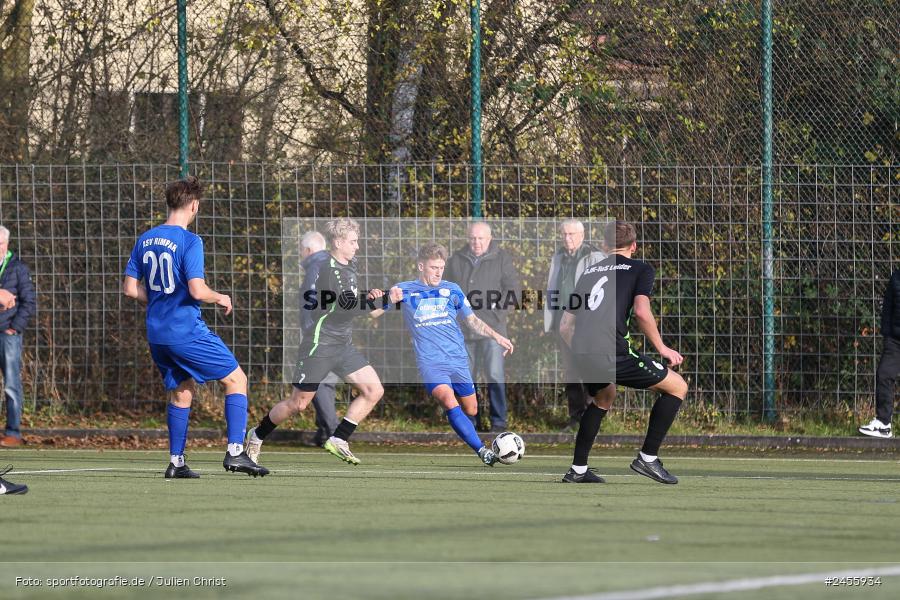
(430, 307)
(169, 260)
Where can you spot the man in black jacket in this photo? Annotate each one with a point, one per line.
(486, 274)
(17, 305)
(314, 255)
(889, 365)
(568, 263)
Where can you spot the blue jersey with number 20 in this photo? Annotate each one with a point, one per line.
(166, 258)
(430, 315)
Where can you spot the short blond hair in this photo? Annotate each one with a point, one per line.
(340, 228)
(4, 234)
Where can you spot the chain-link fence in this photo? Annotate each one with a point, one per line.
(599, 82)
(837, 237)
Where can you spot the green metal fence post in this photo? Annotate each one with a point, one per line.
(182, 88)
(475, 14)
(768, 254)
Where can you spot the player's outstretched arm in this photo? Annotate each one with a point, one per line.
(376, 293)
(567, 328)
(203, 293)
(481, 328)
(647, 324)
(132, 288)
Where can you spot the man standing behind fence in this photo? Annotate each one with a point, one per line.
(313, 256)
(486, 274)
(169, 259)
(566, 267)
(889, 364)
(17, 304)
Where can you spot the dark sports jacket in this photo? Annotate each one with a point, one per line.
(890, 309)
(494, 272)
(311, 265)
(16, 279)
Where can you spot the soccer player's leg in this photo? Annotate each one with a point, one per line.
(311, 370)
(209, 359)
(446, 386)
(356, 371)
(180, 390)
(603, 395)
(236, 458)
(642, 372)
(177, 416)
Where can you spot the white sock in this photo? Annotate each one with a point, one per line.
(580, 469)
(253, 436)
(648, 457)
(235, 449)
(177, 460)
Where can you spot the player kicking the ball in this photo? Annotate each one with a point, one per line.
(430, 307)
(595, 326)
(169, 260)
(334, 302)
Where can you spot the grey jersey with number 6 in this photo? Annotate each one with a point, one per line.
(603, 301)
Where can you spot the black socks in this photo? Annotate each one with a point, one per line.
(345, 429)
(265, 427)
(662, 415)
(587, 432)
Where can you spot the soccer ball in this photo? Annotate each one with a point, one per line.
(508, 447)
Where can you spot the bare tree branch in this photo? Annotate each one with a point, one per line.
(309, 67)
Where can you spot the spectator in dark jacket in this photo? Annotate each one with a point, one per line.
(313, 256)
(486, 274)
(889, 364)
(16, 308)
(566, 267)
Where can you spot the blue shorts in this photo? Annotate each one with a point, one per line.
(204, 359)
(458, 377)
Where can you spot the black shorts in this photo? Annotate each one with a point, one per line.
(637, 371)
(313, 368)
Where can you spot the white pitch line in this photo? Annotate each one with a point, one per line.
(734, 585)
(710, 457)
(493, 473)
(17, 472)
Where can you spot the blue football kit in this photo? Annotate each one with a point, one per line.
(166, 258)
(430, 314)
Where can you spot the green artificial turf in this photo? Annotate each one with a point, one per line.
(439, 524)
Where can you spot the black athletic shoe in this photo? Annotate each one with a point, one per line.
(8, 487)
(242, 464)
(589, 476)
(654, 470)
(182, 472)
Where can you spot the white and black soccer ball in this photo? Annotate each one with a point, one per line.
(508, 447)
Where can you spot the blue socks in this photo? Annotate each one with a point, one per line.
(236, 417)
(177, 420)
(463, 427)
